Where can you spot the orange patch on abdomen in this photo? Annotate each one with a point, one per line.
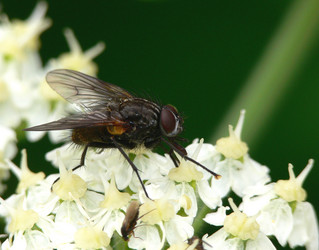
(116, 129)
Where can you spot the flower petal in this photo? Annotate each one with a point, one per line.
(207, 195)
(305, 229)
(261, 242)
(276, 219)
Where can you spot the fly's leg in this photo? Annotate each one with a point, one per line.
(82, 157)
(135, 169)
(78, 166)
(172, 155)
(182, 152)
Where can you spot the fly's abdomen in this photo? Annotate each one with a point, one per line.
(84, 136)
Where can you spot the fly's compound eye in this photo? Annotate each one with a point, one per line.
(170, 123)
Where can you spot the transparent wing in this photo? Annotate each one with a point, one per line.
(80, 120)
(84, 90)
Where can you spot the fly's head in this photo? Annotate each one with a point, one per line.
(171, 123)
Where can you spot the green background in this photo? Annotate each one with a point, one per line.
(196, 55)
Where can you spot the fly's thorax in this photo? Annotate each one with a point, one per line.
(140, 113)
(141, 117)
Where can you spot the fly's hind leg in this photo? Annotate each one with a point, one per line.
(109, 145)
(135, 169)
(81, 162)
(82, 157)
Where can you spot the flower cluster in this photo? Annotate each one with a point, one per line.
(85, 208)
(24, 93)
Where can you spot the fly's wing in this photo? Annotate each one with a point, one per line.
(132, 212)
(92, 119)
(130, 219)
(84, 90)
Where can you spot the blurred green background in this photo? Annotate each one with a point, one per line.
(198, 55)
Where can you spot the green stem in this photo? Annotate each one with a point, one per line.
(198, 222)
(270, 78)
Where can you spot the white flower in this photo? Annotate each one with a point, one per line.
(192, 243)
(232, 146)
(40, 197)
(186, 170)
(99, 168)
(179, 229)
(217, 218)
(8, 150)
(87, 208)
(171, 198)
(182, 179)
(21, 220)
(98, 171)
(150, 237)
(91, 237)
(18, 38)
(239, 232)
(221, 240)
(305, 227)
(65, 220)
(23, 101)
(148, 164)
(21, 70)
(162, 212)
(24, 94)
(26, 177)
(70, 156)
(114, 199)
(282, 210)
(238, 175)
(69, 186)
(76, 59)
(147, 237)
(30, 239)
(238, 170)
